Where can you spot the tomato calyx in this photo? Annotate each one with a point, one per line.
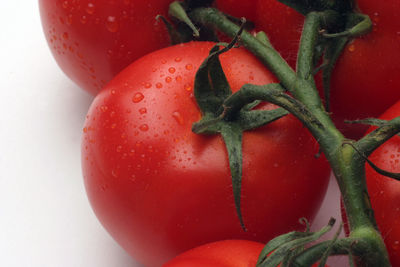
(290, 248)
(211, 91)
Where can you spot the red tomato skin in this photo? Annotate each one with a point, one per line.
(385, 192)
(226, 253)
(366, 78)
(283, 25)
(160, 189)
(237, 8)
(92, 41)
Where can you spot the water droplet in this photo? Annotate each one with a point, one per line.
(172, 70)
(159, 85)
(188, 87)
(147, 85)
(178, 59)
(90, 8)
(113, 92)
(69, 19)
(137, 97)
(83, 19)
(396, 245)
(144, 127)
(163, 61)
(178, 117)
(178, 78)
(351, 48)
(189, 66)
(143, 111)
(103, 108)
(114, 173)
(119, 148)
(112, 24)
(168, 79)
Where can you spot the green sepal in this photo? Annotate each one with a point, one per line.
(175, 35)
(177, 11)
(288, 246)
(232, 135)
(254, 119)
(279, 241)
(211, 86)
(211, 89)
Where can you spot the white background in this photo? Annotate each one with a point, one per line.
(45, 217)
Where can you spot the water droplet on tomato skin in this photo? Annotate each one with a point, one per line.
(351, 48)
(114, 173)
(137, 97)
(143, 111)
(83, 19)
(90, 8)
(112, 24)
(144, 127)
(188, 87)
(178, 117)
(168, 79)
(159, 85)
(171, 70)
(396, 245)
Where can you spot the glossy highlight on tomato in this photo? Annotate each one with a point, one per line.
(92, 41)
(159, 189)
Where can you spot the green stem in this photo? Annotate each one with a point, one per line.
(314, 253)
(376, 138)
(309, 37)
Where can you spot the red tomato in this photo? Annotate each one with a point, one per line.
(385, 192)
(160, 189)
(227, 253)
(237, 8)
(366, 78)
(94, 40)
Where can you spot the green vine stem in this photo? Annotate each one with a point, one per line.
(304, 102)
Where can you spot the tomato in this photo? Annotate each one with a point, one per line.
(365, 81)
(227, 253)
(237, 8)
(385, 192)
(94, 40)
(366, 78)
(160, 189)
